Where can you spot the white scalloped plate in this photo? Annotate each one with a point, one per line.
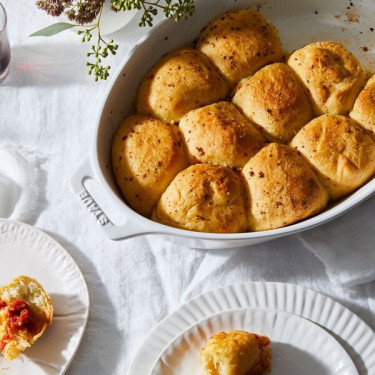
(353, 334)
(298, 345)
(25, 250)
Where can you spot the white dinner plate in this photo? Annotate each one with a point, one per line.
(25, 250)
(357, 338)
(298, 345)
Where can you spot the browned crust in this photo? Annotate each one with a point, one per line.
(146, 156)
(281, 188)
(332, 76)
(181, 81)
(204, 198)
(341, 153)
(274, 99)
(240, 43)
(364, 107)
(220, 134)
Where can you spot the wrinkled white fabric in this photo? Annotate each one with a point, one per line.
(20, 178)
(48, 105)
(346, 246)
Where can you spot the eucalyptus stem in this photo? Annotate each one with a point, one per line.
(98, 51)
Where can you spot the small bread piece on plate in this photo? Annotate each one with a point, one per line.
(146, 156)
(364, 107)
(236, 353)
(340, 152)
(203, 198)
(332, 75)
(183, 80)
(281, 187)
(25, 313)
(220, 134)
(275, 100)
(240, 43)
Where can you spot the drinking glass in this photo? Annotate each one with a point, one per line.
(4, 45)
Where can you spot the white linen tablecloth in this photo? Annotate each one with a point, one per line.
(48, 106)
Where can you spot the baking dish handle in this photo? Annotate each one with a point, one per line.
(114, 232)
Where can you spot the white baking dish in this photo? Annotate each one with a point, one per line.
(300, 22)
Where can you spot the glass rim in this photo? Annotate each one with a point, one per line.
(2, 9)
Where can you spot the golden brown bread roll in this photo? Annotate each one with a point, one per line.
(181, 81)
(340, 151)
(236, 353)
(146, 156)
(203, 198)
(219, 134)
(364, 107)
(274, 99)
(240, 43)
(281, 188)
(332, 76)
(25, 313)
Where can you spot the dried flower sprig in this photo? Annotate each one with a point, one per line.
(83, 12)
(78, 11)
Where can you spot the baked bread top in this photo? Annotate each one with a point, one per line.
(203, 198)
(332, 75)
(340, 152)
(183, 80)
(240, 43)
(281, 188)
(274, 99)
(364, 107)
(25, 313)
(220, 134)
(236, 353)
(146, 156)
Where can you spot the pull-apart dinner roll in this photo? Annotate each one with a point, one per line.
(25, 313)
(220, 134)
(340, 151)
(236, 353)
(332, 75)
(274, 99)
(240, 43)
(203, 198)
(364, 107)
(281, 188)
(181, 81)
(146, 156)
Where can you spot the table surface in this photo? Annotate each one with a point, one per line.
(48, 106)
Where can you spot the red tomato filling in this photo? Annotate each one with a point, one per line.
(19, 316)
(3, 341)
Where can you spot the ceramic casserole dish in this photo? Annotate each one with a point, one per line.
(300, 22)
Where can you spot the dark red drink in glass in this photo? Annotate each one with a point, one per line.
(4, 45)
